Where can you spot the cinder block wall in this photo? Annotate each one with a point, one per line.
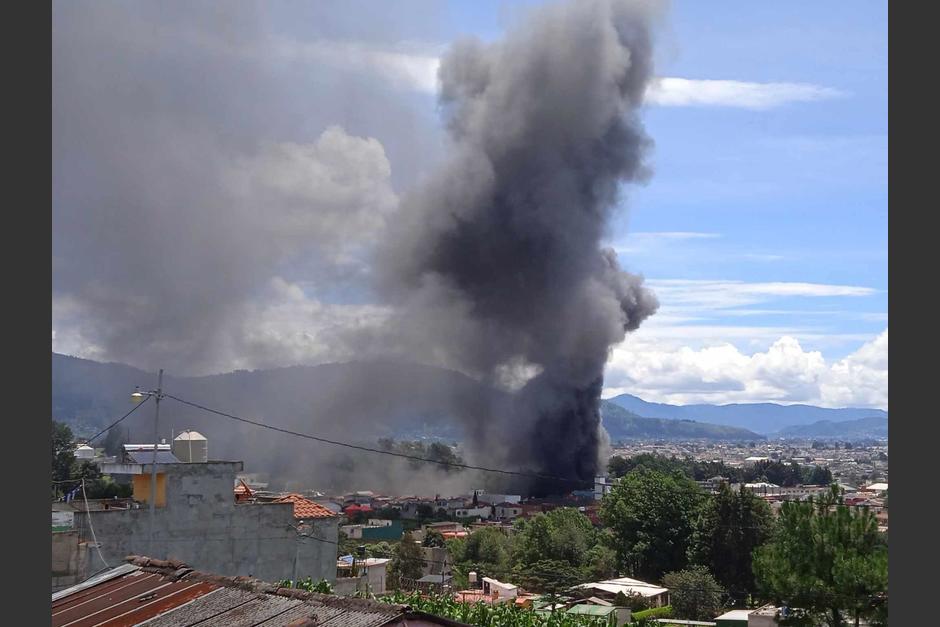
(202, 526)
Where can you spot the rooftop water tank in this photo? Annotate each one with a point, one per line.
(191, 447)
(84, 452)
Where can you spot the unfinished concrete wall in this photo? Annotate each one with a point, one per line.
(69, 559)
(202, 526)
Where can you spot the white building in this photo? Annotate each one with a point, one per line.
(602, 485)
(482, 511)
(499, 591)
(655, 595)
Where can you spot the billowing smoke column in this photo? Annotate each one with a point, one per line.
(496, 259)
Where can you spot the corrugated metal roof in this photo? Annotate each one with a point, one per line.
(591, 610)
(169, 594)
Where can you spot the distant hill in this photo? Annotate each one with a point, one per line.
(765, 418)
(625, 425)
(410, 398)
(873, 427)
(414, 401)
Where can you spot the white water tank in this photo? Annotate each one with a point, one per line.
(191, 447)
(84, 452)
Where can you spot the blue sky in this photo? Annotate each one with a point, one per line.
(763, 228)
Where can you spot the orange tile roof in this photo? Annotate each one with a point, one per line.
(305, 508)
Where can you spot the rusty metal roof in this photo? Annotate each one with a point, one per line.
(170, 594)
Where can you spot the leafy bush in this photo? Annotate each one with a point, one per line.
(656, 612)
(486, 615)
(323, 586)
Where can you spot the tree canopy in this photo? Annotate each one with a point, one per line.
(827, 559)
(650, 515)
(731, 526)
(694, 594)
(407, 561)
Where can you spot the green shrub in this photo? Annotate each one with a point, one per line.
(656, 612)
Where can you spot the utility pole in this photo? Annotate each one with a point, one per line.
(153, 465)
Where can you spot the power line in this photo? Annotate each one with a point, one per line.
(368, 449)
(401, 455)
(93, 538)
(116, 422)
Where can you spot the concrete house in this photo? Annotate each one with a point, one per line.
(198, 521)
(507, 511)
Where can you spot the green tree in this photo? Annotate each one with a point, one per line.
(731, 526)
(601, 562)
(63, 451)
(651, 515)
(433, 538)
(115, 440)
(635, 601)
(563, 534)
(817, 475)
(693, 593)
(550, 577)
(379, 549)
(488, 550)
(407, 561)
(827, 559)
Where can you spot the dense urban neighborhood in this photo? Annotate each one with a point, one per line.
(490, 313)
(686, 531)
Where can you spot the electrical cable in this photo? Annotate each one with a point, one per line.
(91, 527)
(116, 422)
(367, 449)
(384, 452)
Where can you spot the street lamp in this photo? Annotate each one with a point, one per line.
(137, 396)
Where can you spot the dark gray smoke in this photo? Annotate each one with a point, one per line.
(496, 260)
(208, 164)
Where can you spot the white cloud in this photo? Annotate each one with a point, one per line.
(721, 373)
(684, 92)
(335, 193)
(710, 294)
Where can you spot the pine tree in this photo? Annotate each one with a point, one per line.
(827, 559)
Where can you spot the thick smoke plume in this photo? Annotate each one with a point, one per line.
(496, 260)
(227, 196)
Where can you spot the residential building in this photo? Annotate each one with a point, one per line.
(602, 485)
(374, 530)
(611, 614)
(434, 583)
(361, 575)
(481, 511)
(198, 520)
(437, 561)
(499, 591)
(656, 596)
(493, 499)
(766, 616)
(734, 618)
(507, 511)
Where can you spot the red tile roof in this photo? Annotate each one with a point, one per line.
(305, 508)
